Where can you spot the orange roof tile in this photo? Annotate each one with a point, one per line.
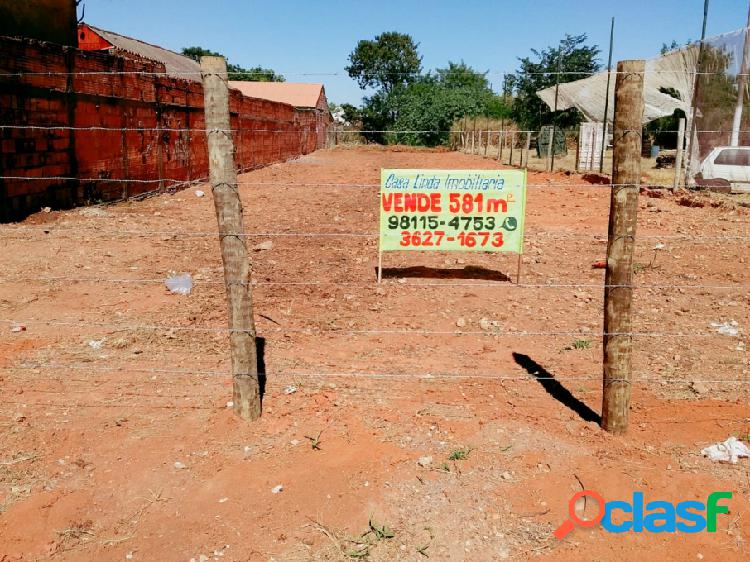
(295, 94)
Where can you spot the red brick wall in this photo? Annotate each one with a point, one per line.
(270, 131)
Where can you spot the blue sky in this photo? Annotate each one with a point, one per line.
(298, 37)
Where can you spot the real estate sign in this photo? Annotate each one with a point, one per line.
(452, 210)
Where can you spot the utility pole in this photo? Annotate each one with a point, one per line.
(693, 135)
(233, 243)
(554, 112)
(623, 212)
(606, 97)
(741, 83)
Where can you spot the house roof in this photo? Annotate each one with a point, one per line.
(177, 65)
(294, 93)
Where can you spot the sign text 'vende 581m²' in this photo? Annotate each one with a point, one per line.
(452, 210)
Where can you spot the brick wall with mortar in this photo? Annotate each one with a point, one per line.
(131, 97)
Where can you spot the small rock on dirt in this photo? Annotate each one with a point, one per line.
(277, 489)
(699, 387)
(93, 212)
(265, 245)
(425, 461)
(461, 322)
(179, 466)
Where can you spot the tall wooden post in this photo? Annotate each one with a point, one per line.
(526, 150)
(550, 151)
(473, 135)
(626, 178)
(486, 142)
(234, 254)
(680, 151)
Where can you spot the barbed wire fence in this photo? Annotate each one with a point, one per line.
(501, 140)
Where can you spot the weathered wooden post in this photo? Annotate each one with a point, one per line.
(526, 150)
(234, 254)
(618, 292)
(680, 150)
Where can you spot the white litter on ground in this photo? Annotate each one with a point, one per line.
(729, 451)
(727, 328)
(180, 284)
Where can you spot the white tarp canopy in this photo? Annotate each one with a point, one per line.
(673, 70)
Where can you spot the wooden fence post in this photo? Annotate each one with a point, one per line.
(623, 212)
(223, 177)
(680, 150)
(526, 150)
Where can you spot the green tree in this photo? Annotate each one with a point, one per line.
(572, 58)
(386, 62)
(235, 71)
(671, 47)
(460, 75)
(427, 108)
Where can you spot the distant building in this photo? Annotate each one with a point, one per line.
(92, 38)
(309, 99)
(304, 97)
(299, 95)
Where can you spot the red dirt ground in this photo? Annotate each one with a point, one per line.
(90, 437)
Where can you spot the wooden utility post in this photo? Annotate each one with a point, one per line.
(223, 177)
(623, 211)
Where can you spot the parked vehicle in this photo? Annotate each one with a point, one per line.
(726, 168)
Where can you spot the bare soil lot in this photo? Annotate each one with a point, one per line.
(116, 441)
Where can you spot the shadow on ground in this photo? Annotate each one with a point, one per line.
(555, 389)
(423, 272)
(260, 351)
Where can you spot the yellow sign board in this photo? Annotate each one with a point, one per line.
(452, 210)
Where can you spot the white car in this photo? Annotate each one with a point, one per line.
(726, 168)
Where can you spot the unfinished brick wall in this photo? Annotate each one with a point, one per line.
(82, 92)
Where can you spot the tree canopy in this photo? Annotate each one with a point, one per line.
(571, 60)
(236, 72)
(386, 62)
